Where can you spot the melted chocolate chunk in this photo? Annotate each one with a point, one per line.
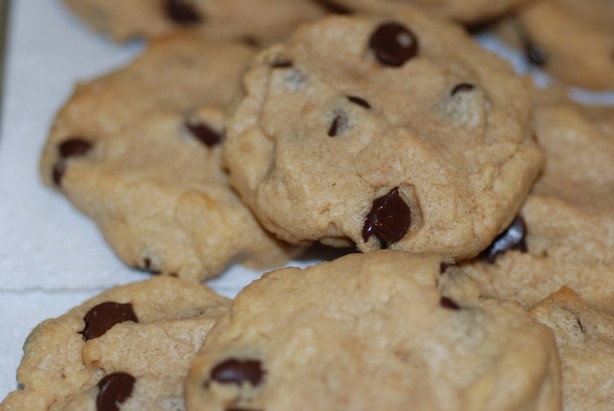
(513, 238)
(535, 54)
(449, 304)
(361, 102)
(181, 12)
(204, 134)
(114, 389)
(338, 125)
(393, 44)
(234, 371)
(462, 88)
(104, 316)
(388, 220)
(72, 147)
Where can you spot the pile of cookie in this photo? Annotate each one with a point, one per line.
(481, 208)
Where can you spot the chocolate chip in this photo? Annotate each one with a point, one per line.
(204, 134)
(513, 238)
(449, 304)
(72, 147)
(234, 371)
(388, 220)
(462, 88)
(181, 12)
(393, 44)
(535, 54)
(338, 124)
(114, 389)
(333, 7)
(361, 102)
(282, 63)
(104, 316)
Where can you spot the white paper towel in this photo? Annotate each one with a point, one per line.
(51, 257)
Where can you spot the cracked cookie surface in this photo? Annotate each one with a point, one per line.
(131, 344)
(402, 134)
(333, 336)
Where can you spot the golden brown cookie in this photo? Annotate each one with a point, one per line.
(373, 332)
(572, 39)
(566, 235)
(130, 345)
(585, 341)
(139, 152)
(399, 133)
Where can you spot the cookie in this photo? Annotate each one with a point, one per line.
(372, 331)
(465, 11)
(402, 134)
(130, 345)
(572, 39)
(564, 235)
(133, 151)
(260, 21)
(585, 341)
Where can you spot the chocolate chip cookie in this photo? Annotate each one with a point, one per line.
(466, 11)
(398, 134)
(572, 39)
(585, 341)
(373, 331)
(564, 235)
(128, 348)
(133, 151)
(258, 21)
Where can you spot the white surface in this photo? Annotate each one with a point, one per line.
(51, 257)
